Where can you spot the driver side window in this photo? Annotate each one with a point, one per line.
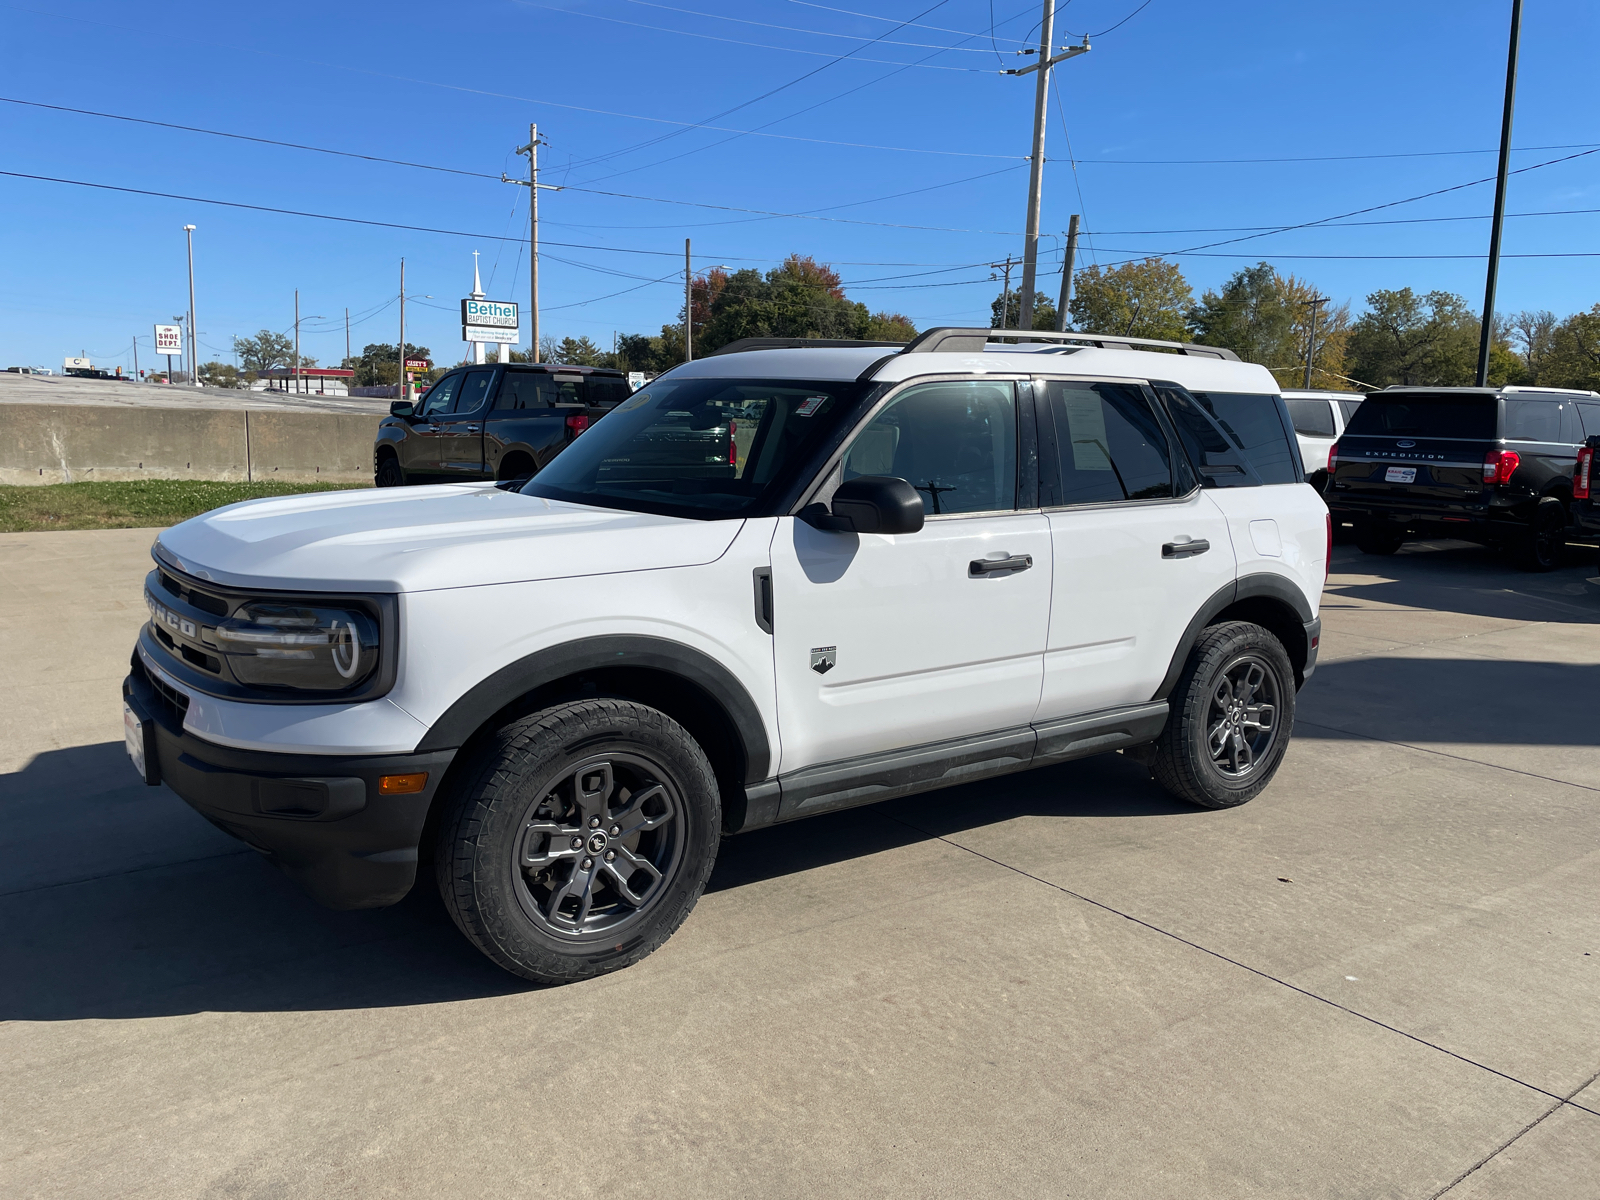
(440, 396)
(955, 442)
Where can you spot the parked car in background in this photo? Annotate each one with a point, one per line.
(1319, 419)
(497, 422)
(1491, 465)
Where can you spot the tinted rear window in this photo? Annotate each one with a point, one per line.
(1253, 422)
(1311, 417)
(606, 390)
(1425, 416)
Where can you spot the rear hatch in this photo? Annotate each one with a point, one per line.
(1417, 450)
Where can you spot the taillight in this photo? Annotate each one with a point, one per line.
(578, 422)
(1580, 476)
(1333, 458)
(733, 448)
(1327, 554)
(1500, 465)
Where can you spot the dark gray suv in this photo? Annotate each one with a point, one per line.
(492, 422)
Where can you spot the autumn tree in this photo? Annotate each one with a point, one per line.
(1573, 359)
(1044, 311)
(1265, 317)
(1410, 339)
(1149, 298)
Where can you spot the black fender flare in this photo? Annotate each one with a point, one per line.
(1266, 584)
(514, 680)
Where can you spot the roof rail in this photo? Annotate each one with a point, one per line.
(951, 340)
(781, 343)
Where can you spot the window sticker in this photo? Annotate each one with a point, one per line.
(810, 405)
(637, 400)
(1086, 423)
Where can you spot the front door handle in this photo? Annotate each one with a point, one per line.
(1185, 549)
(980, 567)
(473, 428)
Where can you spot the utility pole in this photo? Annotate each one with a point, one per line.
(1030, 240)
(688, 306)
(347, 334)
(194, 333)
(1005, 296)
(1486, 334)
(136, 356)
(533, 185)
(1066, 274)
(297, 341)
(1311, 336)
(405, 392)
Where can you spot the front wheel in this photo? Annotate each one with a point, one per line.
(578, 839)
(389, 473)
(1232, 714)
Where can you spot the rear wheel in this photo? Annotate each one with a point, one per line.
(1539, 548)
(578, 839)
(389, 473)
(1374, 539)
(1232, 714)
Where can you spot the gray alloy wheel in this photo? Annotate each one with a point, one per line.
(1232, 716)
(575, 840)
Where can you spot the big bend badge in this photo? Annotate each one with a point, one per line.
(823, 658)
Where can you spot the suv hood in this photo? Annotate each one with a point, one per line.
(419, 538)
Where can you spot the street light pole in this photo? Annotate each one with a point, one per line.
(1030, 239)
(297, 341)
(194, 334)
(404, 393)
(533, 185)
(1311, 336)
(1486, 334)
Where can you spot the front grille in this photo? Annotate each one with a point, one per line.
(170, 696)
(215, 605)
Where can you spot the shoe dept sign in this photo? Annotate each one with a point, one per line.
(489, 321)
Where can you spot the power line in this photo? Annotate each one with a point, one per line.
(710, 37)
(855, 37)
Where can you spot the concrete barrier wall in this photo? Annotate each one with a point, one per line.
(49, 443)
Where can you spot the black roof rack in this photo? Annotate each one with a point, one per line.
(778, 343)
(951, 340)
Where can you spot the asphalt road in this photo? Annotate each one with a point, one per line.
(1379, 979)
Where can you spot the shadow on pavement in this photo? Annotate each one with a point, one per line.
(1475, 701)
(214, 927)
(1462, 578)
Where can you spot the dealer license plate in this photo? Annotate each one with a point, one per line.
(1400, 475)
(133, 737)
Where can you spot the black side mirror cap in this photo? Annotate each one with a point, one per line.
(402, 408)
(869, 504)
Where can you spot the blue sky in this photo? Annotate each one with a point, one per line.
(456, 86)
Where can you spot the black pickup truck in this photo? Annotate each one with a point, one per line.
(1490, 465)
(1586, 488)
(492, 422)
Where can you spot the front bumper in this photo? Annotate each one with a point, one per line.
(319, 817)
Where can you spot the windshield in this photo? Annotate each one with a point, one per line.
(708, 448)
(1447, 416)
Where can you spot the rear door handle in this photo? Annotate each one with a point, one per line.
(980, 567)
(474, 428)
(1184, 549)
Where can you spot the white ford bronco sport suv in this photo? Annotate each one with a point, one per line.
(915, 567)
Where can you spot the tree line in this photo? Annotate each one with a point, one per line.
(1264, 316)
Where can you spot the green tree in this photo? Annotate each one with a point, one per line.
(219, 374)
(1149, 298)
(576, 352)
(889, 327)
(1574, 357)
(264, 351)
(1265, 317)
(1044, 311)
(1535, 331)
(379, 364)
(1409, 339)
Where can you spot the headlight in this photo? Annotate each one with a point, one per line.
(299, 646)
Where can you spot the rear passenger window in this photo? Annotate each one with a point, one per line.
(474, 392)
(1314, 418)
(1590, 415)
(520, 390)
(605, 391)
(1109, 444)
(1533, 421)
(1252, 422)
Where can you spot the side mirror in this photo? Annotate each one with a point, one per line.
(869, 504)
(402, 408)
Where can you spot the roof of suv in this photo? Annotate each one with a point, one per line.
(1508, 390)
(1194, 368)
(564, 368)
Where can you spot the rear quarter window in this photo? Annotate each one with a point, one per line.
(1314, 418)
(1257, 425)
(1470, 417)
(1533, 421)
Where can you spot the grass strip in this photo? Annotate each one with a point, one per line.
(134, 504)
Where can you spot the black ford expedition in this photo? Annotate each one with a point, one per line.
(492, 422)
(1490, 465)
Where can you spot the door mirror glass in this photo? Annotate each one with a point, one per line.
(870, 504)
(402, 408)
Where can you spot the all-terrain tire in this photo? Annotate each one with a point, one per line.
(521, 857)
(1540, 548)
(389, 473)
(1186, 761)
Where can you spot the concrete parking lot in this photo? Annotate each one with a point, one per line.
(1379, 979)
